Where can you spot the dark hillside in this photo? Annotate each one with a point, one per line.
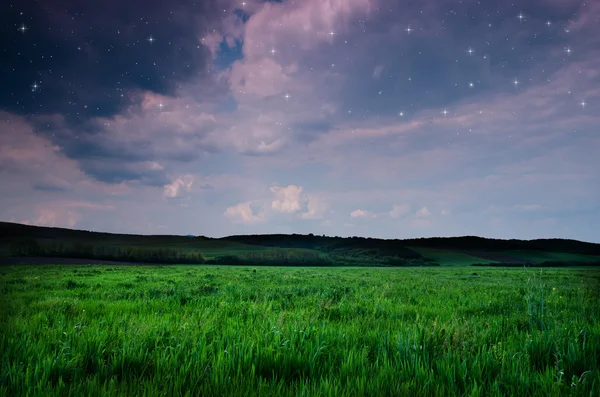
(473, 243)
(299, 250)
(339, 245)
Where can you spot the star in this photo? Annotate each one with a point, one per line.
(548, 23)
(151, 39)
(516, 82)
(331, 33)
(35, 86)
(408, 29)
(243, 4)
(22, 28)
(273, 51)
(161, 105)
(445, 112)
(568, 50)
(471, 84)
(401, 114)
(470, 51)
(287, 96)
(583, 104)
(521, 16)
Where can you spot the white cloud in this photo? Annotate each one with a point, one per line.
(357, 214)
(289, 199)
(362, 214)
(445, 212)
(292, 200)
(399, 210)
(244, 213)
(178, 185)
(316, 208)
(423, 212)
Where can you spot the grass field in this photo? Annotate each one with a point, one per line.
(233, 331)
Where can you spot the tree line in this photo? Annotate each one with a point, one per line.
(111, 253)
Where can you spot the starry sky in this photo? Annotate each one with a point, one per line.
(382, 118)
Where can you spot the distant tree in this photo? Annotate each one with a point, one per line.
(27, 247)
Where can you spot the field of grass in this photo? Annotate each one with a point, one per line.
(238, 331)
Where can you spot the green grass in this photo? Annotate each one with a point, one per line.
(224, 331)
(448, 257)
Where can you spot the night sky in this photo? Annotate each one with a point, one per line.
(378, 118)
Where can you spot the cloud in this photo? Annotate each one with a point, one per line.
(178, 185)
(316, 208)
(293, 200)
(362, 214)
(244, 213)
(423, 213)
(65, 213)
(28, 158)
(289, 199)
(399, 210)
(141, 144)
(104, 50)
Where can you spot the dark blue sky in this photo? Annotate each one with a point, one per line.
(368, 117)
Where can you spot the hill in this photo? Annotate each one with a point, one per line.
(17, 240)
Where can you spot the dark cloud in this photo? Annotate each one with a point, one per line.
(116, 172)
(47, 187)
(89, 58)
(309, 131)
(430, 67)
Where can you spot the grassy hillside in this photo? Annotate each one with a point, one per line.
(450, 258)
(11, 233)
(474, 243)
(295, 249)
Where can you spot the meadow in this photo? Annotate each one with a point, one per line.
(298, 331)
